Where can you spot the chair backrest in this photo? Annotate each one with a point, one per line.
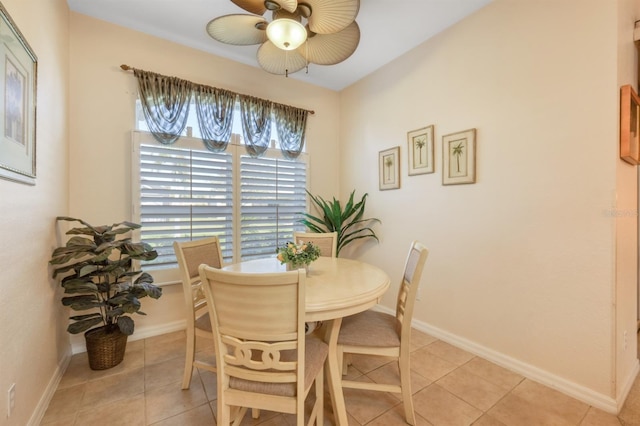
(258, 324)
(190, 255)
(326, 241)
(409, 287)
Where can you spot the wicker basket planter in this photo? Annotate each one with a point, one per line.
(97, 268)
(105, 346)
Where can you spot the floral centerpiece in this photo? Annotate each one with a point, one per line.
(298, 255)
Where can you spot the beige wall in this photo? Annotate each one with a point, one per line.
(33, 341)
(102, 106)
(533, 266)
(523, 263)
(626, 288)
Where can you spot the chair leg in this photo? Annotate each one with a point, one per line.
(224, 413)
(343, 361)
(237, 415)
(407, 399)
(320, 398)
(188, 362)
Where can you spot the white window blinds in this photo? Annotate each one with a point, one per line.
(272, 197)
(182, 193)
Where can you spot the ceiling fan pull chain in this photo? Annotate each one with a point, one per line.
(286, 64)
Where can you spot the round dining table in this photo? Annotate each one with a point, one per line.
(335, 288)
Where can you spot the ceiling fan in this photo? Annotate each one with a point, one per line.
(322, 32)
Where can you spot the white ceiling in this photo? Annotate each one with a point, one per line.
(388, 29)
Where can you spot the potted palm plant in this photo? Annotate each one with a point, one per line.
(348, 222)
(99, 278)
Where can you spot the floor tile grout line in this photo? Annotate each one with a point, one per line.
(146, 421)
(73, 417)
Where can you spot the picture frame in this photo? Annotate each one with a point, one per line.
(18, 77)
(389, 168)
(420, 151)
(629, 125)
(459, 157)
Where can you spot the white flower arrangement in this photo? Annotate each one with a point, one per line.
(298, 254)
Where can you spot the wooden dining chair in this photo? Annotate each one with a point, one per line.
(376, 333)
(190, 255)
(328, 244)
(326, 241)
(265, 361)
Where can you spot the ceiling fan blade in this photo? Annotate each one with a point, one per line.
(252, 6)
(330, 49)
(288, 5)
(260, 6)
(278, 61)
(331, 16)
(238, 29)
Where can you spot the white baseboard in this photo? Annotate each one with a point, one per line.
(627, 385)
(80, 347)
(140, 333)
(579, 392)
(45, 398)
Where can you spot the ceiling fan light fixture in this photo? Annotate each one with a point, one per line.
(286, 34)
(299, 33)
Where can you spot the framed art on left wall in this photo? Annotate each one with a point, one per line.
(18, 72)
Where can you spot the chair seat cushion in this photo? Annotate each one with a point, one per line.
(203, 323)
(315, 355)
(370, 328)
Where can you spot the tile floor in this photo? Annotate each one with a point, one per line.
(451, 387)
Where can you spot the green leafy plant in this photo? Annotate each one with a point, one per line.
(98, 271)
(348, 222)
(298, 255)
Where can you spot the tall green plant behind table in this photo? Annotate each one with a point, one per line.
(348, 222)
(99, 275)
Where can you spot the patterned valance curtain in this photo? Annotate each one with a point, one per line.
(165, 103)
(215, 116)
(291, 124)
(256, 124)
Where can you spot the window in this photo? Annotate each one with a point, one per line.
(272, 194)
(185, 192)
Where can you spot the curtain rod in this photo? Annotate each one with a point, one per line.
(128, 68)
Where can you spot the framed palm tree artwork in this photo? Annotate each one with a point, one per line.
(420, 150)
(459, 157)
(389, 168)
